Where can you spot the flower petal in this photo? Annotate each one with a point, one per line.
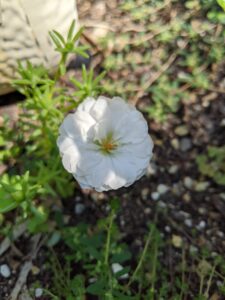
(78, 124)
(64, 142)
(86, 105)
(132, 128)
(100, 108)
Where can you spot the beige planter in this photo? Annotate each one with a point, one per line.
(24, 27)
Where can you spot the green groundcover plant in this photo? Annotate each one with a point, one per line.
(97, 263)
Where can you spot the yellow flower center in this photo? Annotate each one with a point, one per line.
(107, 145)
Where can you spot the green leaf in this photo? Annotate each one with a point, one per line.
(77, 287)
(97, 288)
(71, 30)
(121, 257)
(221, 3)
(55, 40)
(119, 296)
(78, 34)
(7, 204)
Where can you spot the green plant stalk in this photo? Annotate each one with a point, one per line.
(140, 263)
(108, 239)
(202, 278)
(152, 289)
(107, 270)
(209, 282)
(54, 297)
(183, 273)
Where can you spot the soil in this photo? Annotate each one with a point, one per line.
(196, 215)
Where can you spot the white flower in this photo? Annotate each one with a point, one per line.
(105, 144)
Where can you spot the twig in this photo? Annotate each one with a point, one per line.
(141, 91)
(17, 232)
(216, 90)
(158, 74)
(26, 268)
(91, 42)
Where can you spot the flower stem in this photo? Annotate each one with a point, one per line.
(140, 263)
(108, 240)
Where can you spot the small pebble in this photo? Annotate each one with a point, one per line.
(188, 182)
(79, 208)
(151, 170)
(35, 270)
(201, 225)
(77, 198)
(185, 144)
(167, 229)
(173, 169)
(144, 193)
(177, 188)
(162, 189)
(38, 292)
(201, 186)
(155, 196)
(219, 283)
(162, 204)
(181, 130)
(117, 268)
(5, 271)
(193, 249)
(202, 210)
(187, 197)
(175, 144)
(147, 211)
(222, 123)
(188, 223)
(222, 196)
(214, 254)
(122, 222)
(220, 234)
(177, 241)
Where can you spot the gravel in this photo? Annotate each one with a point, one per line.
(155, 196)
(185, 144)
(188, 182)
(79, 208)
(181, 130)
(38, 292)
(188, 223)
(117, 268)
(5, 271)
(201, 225)
(162, 189)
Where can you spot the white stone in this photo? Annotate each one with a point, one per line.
(188, 222)
(117, 268)
(162, 204)
(38, 292)
(155, 196)
(188, 182)
(173, 169)
(5, 271)
(162, 189)
(193, 249)
(201, 186)
(185, 144)
(151, 170)
(201, 225)
(79, 208)
(167, 229)
(175, 144)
